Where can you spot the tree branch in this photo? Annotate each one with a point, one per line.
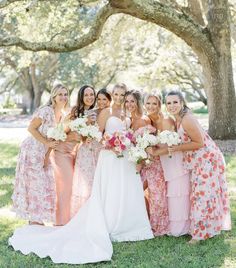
(94, 33)
(169, 18)
(5, 3)
(195, 10)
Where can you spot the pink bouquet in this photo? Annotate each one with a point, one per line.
(118, 142)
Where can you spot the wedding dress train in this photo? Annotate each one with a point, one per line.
(115, 211)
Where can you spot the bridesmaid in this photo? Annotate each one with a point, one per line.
(176, 176)
(34, 189)
(103, 99)
(210, 211)
(151, 174)
(63, 161)
(87, 153)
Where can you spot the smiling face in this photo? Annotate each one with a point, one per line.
(152, 105)
(61, 98)
(173, 104)
(118, 96)
(131, 104)
(89, 97)
(102, 101)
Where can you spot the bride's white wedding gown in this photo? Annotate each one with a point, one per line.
(115, 212)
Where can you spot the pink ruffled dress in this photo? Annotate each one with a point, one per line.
(178, 189)
(34, 195)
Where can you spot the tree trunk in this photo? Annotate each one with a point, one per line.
(221, 98)
(219, 74)
(27, 82)
(37, 99)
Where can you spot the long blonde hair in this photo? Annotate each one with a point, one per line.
(54, 93)
(138, 98)
(156, 95)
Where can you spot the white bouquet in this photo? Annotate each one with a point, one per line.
(137, 153)
(78, 123)
(57, 133)
(82, 128)
(169, 137)
(91, 131)
(146, 140)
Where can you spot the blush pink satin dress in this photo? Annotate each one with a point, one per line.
(63, 161)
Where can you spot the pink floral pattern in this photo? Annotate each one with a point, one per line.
(85, 165)
(210, 210)
(157, 196)
(34, 189)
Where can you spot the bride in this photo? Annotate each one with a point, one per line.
(115, 210)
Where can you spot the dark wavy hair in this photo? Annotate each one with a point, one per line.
(78, 110)
(178, 93)
(104, 92)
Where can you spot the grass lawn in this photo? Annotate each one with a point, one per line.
(165, 251)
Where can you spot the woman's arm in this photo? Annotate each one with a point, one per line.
(102, 119)
(193, 130)
(33, 129)
(167, 124)
(73, 136)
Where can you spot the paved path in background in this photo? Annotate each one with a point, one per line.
(13, 128)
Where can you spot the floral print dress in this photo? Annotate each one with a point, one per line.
(34, 189)
(85, 165)
(157, 197)
(209, 200)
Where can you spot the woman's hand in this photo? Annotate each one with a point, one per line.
(172, 149)
(73, 136)
(139, 167)
(52, 144)
(149, 150)
(88, 140)
(46, 162)
(92, 118)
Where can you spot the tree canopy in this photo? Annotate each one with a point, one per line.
(66, 26)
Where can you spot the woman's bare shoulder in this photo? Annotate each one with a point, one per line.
(168, 123)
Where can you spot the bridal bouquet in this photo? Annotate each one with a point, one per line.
(80, 126)
(91, 131)
(57, 133)
(170, 138)
(78, 123)
(118, 141)
(144, 139)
